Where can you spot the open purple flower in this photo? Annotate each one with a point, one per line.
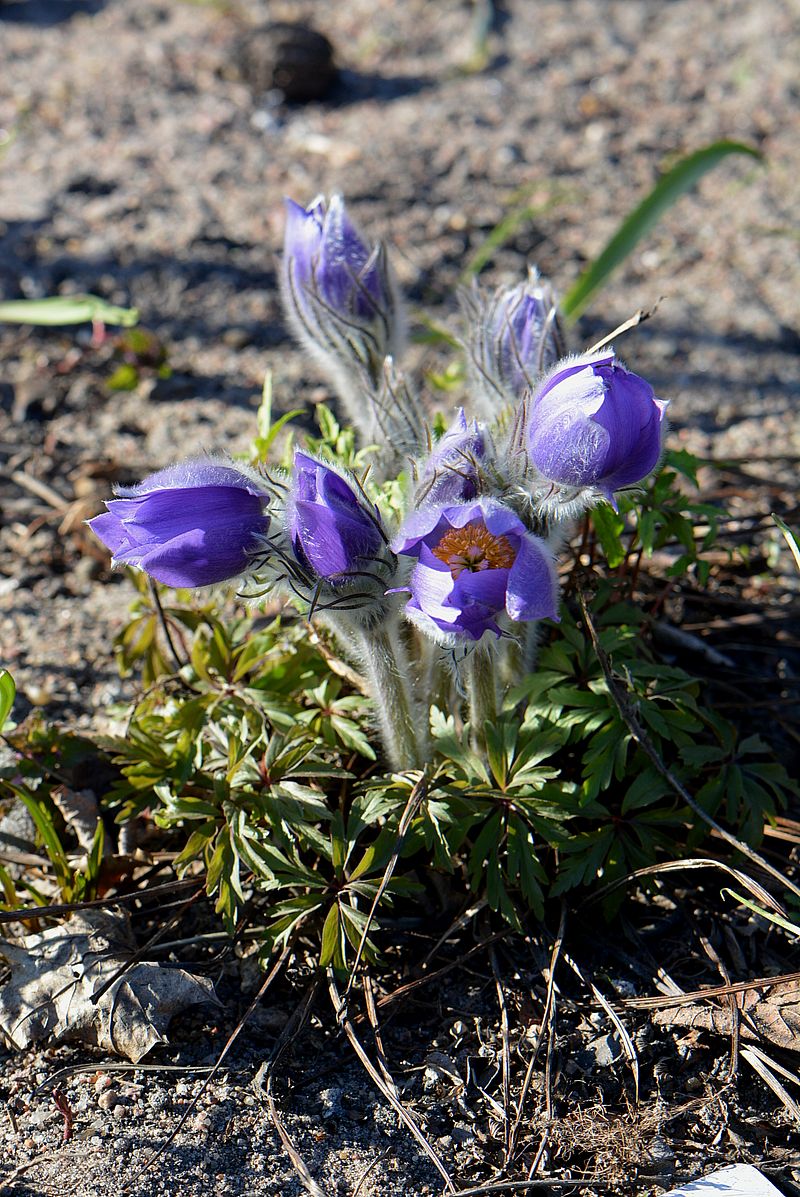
(335, 533)
(474, 562)
(192, 524)
(450, 473)
(594, 424)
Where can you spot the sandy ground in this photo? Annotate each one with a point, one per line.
(136, 164)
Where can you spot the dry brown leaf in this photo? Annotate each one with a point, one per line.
(772, 1014)
(54, 975)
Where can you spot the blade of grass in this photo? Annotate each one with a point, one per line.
(66, 309)
(670, 187)
(792, 928)
(789, 536)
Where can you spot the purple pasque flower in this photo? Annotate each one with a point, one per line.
(513, 336)
(475, 561)
(335, 532)
(192, 524)
(594, 424)
(451, 472)
(339, 293)
(326, 257)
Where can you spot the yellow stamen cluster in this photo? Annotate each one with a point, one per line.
(474, 548)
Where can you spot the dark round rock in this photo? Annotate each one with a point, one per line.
(292, 58)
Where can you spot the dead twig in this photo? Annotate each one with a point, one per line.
(524, 1186)
(141, 952)
(677, 866)
(627, 1043)
(370, 1168)
(340, 1010)
(735, 1010)
(505, 1055)
(380, 1052)
(262, 1082)
(23, 912)
(549, 1003)
(761, 1063)
(712, 991)
(637, 318)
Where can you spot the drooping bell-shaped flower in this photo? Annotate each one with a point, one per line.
(451, 472)
(593, 425)
(192, 524)
(335, 532)
(338, 291)
(475, 562)
(513, 336)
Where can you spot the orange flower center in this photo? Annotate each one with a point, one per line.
(474, 548)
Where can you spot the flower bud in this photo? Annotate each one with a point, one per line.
(475, 562)
(192, 524)
(513, 336)
(337, 556)
(338, 291)
(451, 472)
(594, 424)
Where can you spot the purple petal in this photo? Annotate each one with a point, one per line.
(594, 423)
(110, 529)
(302, 238)
(431, 588)
(163, 514)
(450, 474)
(185, 535)
(483, 588)
(332, 542)
(532, 585)
(199, 557)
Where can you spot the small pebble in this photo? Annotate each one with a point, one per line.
(103, 1082)
(107, 1100)
(119, 1111)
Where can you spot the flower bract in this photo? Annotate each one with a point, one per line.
(327, 257)
(450, 473)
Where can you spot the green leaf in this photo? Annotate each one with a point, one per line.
(124, 378)
(609, 527)
(669, 188)
(8, 692)
(330, 946)
(66, 309)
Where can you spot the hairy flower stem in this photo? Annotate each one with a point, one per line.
(403, 728)
(481, 684)
(381, 655)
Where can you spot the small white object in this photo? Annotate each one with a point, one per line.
(739, 1180)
